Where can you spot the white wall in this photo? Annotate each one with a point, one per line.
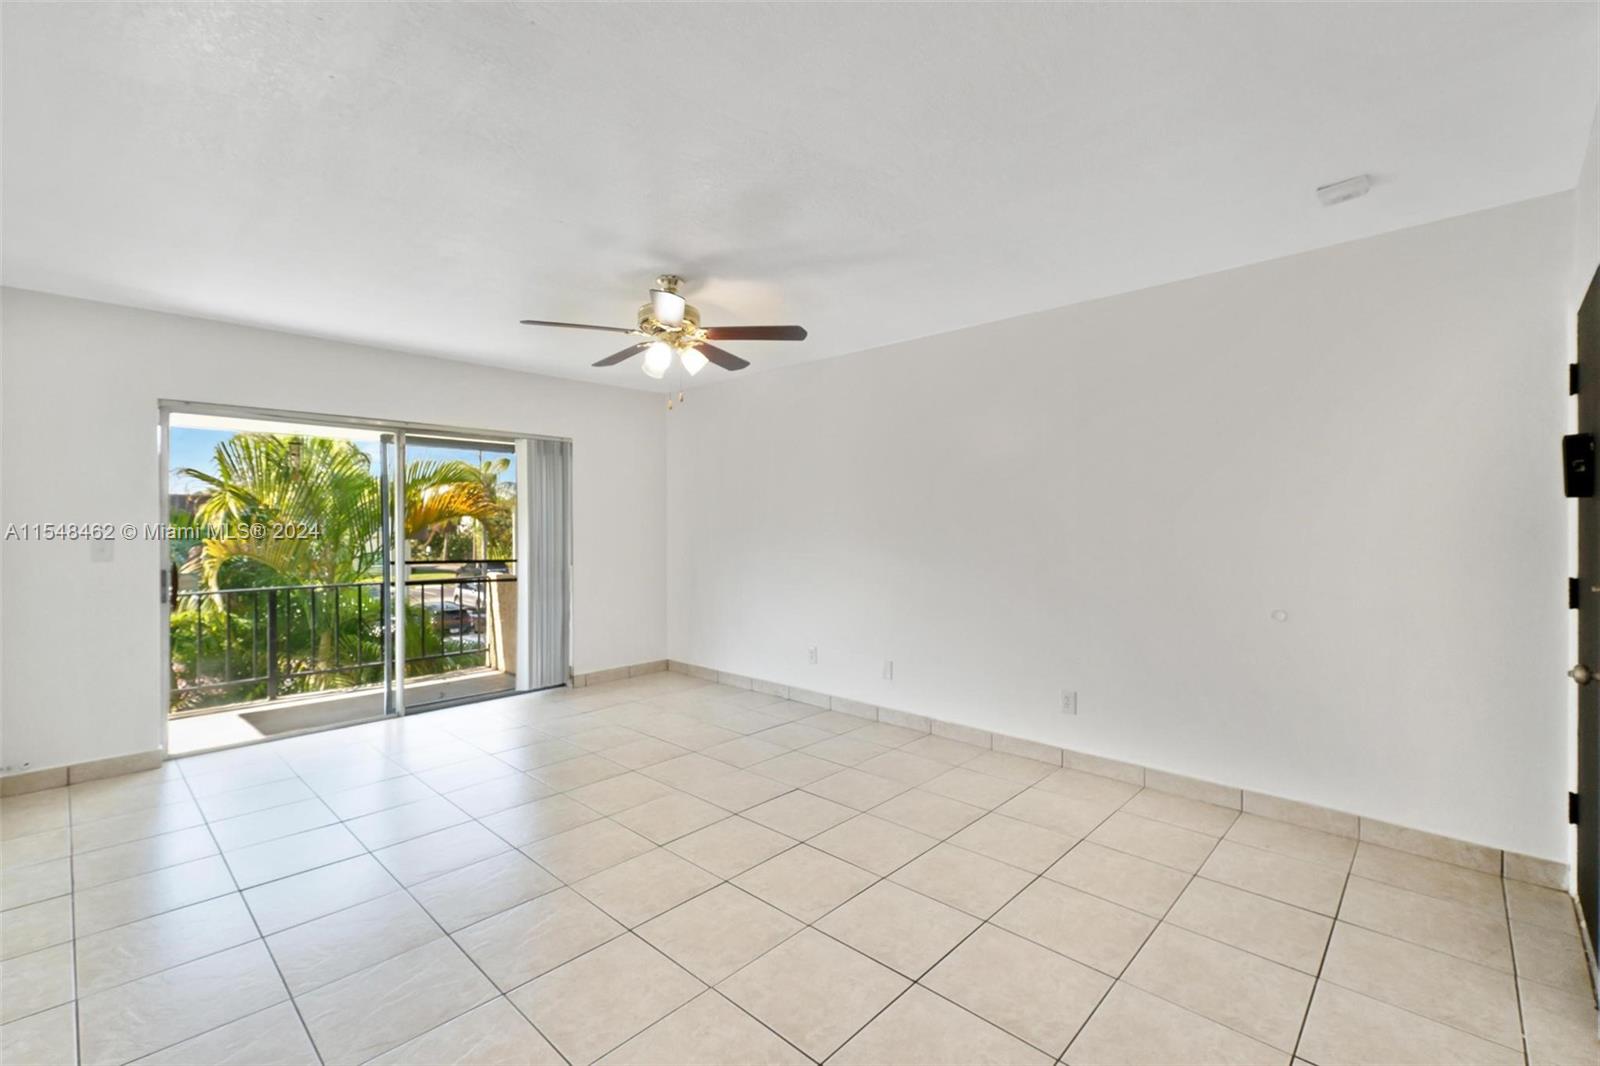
(81, 385)
(1114, 497)
(1587, 244)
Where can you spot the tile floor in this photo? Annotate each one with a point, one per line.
(661, 870)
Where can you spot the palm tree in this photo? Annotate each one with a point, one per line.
(321, 485)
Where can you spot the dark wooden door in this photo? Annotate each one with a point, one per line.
(1588, 599)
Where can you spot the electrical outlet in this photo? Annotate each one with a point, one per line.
(888, 669)
(1069, 702)
(811, 654)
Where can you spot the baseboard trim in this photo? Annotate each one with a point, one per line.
(618, 673)
(1512, 865)
(76, 773)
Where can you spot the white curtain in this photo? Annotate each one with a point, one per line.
(549, 522)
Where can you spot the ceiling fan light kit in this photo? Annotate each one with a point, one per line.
(669, 325)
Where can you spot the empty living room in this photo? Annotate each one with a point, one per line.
(851, 534)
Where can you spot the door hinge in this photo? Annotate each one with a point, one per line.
(1577, 464)
(1572, 808)
(1572, 379)
(1572, 593)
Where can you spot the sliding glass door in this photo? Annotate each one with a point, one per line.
(320, 573)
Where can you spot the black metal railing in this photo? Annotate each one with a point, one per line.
(245, 645)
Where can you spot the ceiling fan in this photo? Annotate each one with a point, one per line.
(669, 325)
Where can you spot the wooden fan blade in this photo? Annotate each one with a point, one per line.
(726, 360)
(575, 325)
(627, 353)
(756, 333)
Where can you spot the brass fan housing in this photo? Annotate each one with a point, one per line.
(683, 335)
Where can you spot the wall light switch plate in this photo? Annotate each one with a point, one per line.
(1069, 702)
(811, 654)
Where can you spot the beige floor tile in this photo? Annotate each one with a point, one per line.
(1245, 992)
(374, 1010)
(1017, 843)
(940, 749)
(588, 849)
(1066, 815)
(1170, 845)
(873, 844)
(929, 813)
(1429, 876)
(744, 752)
(604, 737)
(50, 845)
(902, 929)
(686, 770)
(670, 817)
(34, 812)
(35, 982)
(1307, 885)
(1012, 767)
(302, 897)
(897, 764)
(495, 1034)
(1475, 998)
(646, 751)
(804, 882)
(49, 1038)
(736, 790)
(575, 773)
(640, 888)
(261, 863)
(500, 794)
(1293, 840)
(621, 792)
(1132, 1026)
(337, 945)
(1347, 1027)
(730, 847)
(1544, 907)
(921, 1027)
(1145, 886)
(718, 932)
(524, 824)
(1080, 784)
(603, 998)
(396, 824)
(272, 823)
(274, 1035)
(24, 930)
(23, 885)
(1551, 958)
(140, 897)
(540, 753)
(143, 1016)
(886, 735)
(1453, 928)
(1191, 814)
(1027, 990)
(963, 879)
(521, 943)
(145, 947)
(1277, 931)
(844, 750)
(483, 889)
(707, 1031)
(426, 857)
(793, 735)
(799, 814)
(813, 991)
(1459, 852)
(1078, 925)
(971, 787)
(1561, 1027)
(378, 796)
(795, 768)
(122, 861)
(137, 825)
(856, 789)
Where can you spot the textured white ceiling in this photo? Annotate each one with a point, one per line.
(421, 177)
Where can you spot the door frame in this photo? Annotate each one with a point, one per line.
(394, 697)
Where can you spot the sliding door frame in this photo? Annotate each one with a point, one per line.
(395, 559)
